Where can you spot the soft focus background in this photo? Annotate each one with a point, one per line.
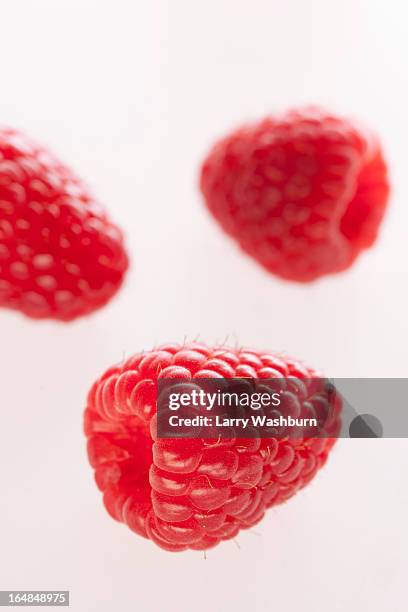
(131, 93)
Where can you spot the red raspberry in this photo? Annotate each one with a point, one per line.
(303, 194)
(190, 493)
(60, 256)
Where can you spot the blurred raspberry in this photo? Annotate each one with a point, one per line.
(303, 194)
(191, 493)
(60, 255)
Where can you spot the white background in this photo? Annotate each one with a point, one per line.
(131, 94)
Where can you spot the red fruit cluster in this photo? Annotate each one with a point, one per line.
(303, 194)
(190, 493)
(60, 256)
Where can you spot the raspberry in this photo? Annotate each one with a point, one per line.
(190, 493)
(303, 194)
(60, 256)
